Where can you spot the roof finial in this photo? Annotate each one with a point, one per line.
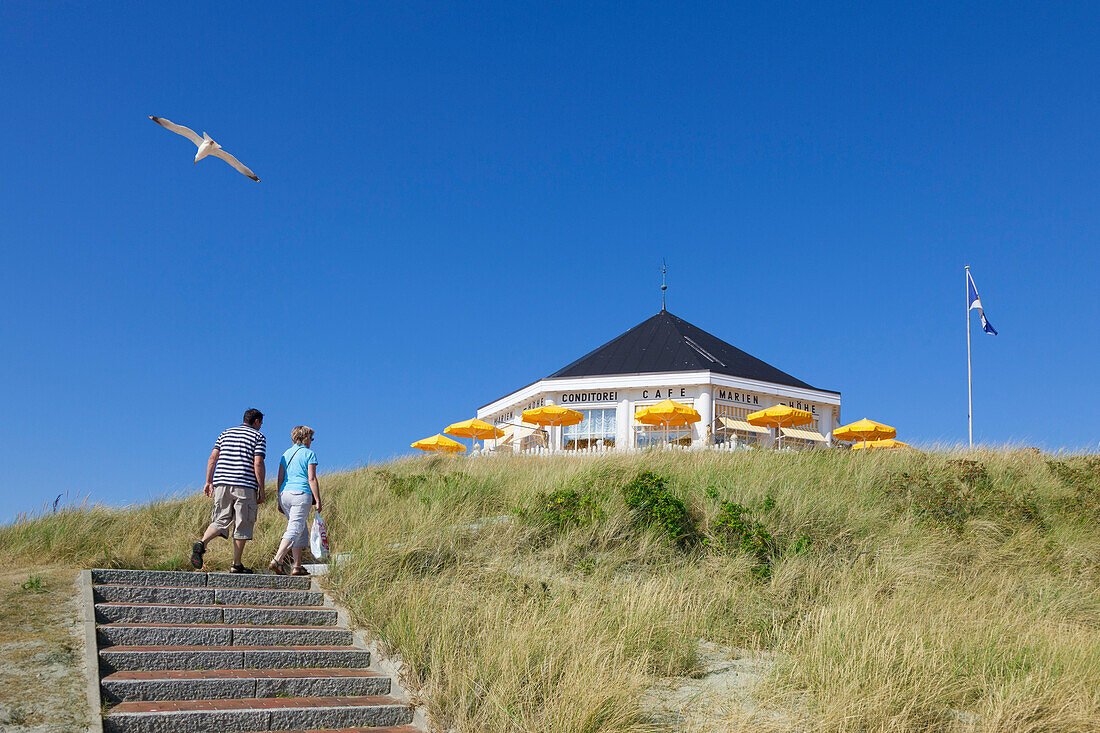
(664, 287)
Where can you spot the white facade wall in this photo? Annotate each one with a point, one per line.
(712, 395)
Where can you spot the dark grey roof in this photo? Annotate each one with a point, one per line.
(665, 343)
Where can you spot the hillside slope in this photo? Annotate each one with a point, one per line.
(898, 591)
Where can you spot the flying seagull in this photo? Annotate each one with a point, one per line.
(206, 145)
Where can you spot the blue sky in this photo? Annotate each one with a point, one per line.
(458, 199)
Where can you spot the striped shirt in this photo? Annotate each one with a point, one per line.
(237, 448)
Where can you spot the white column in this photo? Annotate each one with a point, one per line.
(825, 423)
(705, 407)
(517, 418)
(623, 420)
(553, 434)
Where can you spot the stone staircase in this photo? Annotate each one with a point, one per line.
(195, 652)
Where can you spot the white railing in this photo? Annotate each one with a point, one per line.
(610, 450)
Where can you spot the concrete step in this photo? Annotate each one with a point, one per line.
(382, 729)
(167, 613)
(220, 635)
(260, 714)
(242, 683)
(106, 576)
(184, 596)
(264, 581)
(131, 658)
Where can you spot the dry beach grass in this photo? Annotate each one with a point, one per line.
(895, 591)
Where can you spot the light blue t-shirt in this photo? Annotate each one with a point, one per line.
(294, 463)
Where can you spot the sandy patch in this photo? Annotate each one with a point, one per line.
(717, 696)
(42, 686)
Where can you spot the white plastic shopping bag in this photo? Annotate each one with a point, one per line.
(318, 538)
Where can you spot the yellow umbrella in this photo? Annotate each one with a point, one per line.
(473, 429)
(551, 415)
(864, 430)
(884, 443)
(779, 416)
(667, 413)
(439, 444)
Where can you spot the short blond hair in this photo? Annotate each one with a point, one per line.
(301, 434)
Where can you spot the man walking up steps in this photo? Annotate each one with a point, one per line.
(235, 477)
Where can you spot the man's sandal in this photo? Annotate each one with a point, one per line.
(239, 569)
(197, 551)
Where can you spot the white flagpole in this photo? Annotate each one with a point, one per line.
(969, 379)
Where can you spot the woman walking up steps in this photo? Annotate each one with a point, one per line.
(298, 491)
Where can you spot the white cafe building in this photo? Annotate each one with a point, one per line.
(664, 357)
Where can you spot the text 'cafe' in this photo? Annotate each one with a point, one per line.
(662, 358)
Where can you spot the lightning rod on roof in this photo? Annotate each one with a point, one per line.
(664, 287)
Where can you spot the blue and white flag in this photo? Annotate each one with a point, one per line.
(976, 302)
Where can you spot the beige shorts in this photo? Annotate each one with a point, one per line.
(234, 504)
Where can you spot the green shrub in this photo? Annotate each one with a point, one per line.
(735, 531)
(802, 545)
(457, 488)
(34, 584)
(951, 496)
(568, 507)
(972, 474)
(401, 485)
(934, 497)
(655, 505)
(1082, 477)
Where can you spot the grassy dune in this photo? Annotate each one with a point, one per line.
(899, 591)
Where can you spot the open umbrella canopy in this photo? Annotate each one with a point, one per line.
(864, 430)
(668, 413)
(885, 443)
(552, 415)
(474, 428)
(779, 416)
(439, 444)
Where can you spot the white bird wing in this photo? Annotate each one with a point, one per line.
(235, 163)
(187, 132)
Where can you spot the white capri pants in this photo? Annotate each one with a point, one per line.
(296, 506)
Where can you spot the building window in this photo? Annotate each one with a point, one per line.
(648, 435)
(597, 425)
